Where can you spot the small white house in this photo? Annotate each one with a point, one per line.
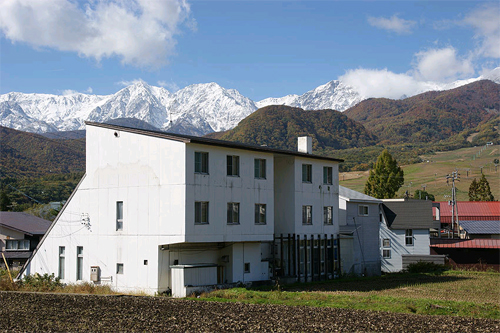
(359, 219)
(158, 211)
(405, 233)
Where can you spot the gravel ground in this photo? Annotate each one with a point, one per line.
(30, 312)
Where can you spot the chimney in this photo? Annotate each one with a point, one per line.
(305, 144)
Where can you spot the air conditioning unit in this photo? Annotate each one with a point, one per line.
(95, 274)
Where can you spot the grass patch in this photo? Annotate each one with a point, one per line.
(450, 293)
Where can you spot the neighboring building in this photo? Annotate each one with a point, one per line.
(20, 233)
(405, 233)
(470, 211)
(359, 219)
(481, 229)
(158, 211)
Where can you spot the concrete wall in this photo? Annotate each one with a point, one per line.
(364, 257)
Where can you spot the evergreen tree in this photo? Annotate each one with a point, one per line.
(424, 195)
(480, 190)
(385, 178)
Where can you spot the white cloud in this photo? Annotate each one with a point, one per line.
(381, 83)
(139, 32)
(89, 90)
(394, 24)
(486, 24)
(441, 65)
(170, 86)
(68, 92)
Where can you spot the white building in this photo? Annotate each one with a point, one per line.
(359, 219)
(158, 211)
(405, 233)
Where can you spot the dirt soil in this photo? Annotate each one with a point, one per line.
(38, 312)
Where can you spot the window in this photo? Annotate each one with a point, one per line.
(386, 242)
(17, 244)
(119, 268)
(386, 254)
(201, 212)
(260, 213)
(327, 175)
(233, 166)
(328, 215)
(62, 254)
(409, 237)
(247, 267)
(260, 168)
(119, 215)
(79, 262)
(201, 162)
(233, 213)
(306, 173)
(306, 214)
(362, 210)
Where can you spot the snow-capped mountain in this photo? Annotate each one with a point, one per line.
(197, 109)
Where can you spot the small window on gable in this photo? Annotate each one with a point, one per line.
(409, 237)
(247, 267)
(362, 210)
(233, 165)
(260, 168)
(119, 215)
(386, 254)
(386, 242)
(327, 175)
(307, 173)
(201, 162)
(119, 268)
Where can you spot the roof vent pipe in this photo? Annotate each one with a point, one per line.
(305, 144)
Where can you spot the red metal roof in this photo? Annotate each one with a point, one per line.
(470, 210)
(466, 243)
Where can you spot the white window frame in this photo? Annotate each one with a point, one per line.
(386, 243)
(201, 212)
(307, 173)
(363, 210)
(233, 165)
(119, 268)
(327, 175)
(260, 168)
(307, 215)
(328, 215)
(201, 162)
(409, 237)
(386, 253)
(233, 213)
(260, 214)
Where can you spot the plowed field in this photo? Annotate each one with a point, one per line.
(29, 312)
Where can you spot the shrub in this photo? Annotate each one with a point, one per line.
(425, 267)
(38, 282)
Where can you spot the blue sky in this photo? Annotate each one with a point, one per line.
(261, 48)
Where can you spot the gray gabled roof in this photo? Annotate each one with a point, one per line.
(350, 195)
(212, 142)
(491, 227)
(24, 222)
(408, 214)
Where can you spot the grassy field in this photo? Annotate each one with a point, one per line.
(432, 173)
(452, 293)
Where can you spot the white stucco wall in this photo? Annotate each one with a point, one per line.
(219, 189)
